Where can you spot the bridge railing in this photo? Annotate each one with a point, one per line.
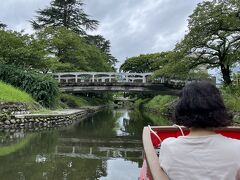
(82, 77)
(113, 77)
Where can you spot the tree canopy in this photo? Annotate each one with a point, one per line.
(144, 63)
(70, 15)
(72, 51)
(2, 25)
(65, 13)
(213, 39)
(104, 45)
(22, 50)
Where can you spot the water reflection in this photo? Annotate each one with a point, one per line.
(105, 146)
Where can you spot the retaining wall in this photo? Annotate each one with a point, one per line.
(16, 116)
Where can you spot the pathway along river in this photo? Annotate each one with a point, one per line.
(105, 146)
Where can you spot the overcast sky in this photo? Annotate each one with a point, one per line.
(133, 26)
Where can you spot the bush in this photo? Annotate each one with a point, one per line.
(231, 96)
(43, 88)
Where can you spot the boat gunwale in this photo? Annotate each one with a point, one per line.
(151, 157)
(174, 128)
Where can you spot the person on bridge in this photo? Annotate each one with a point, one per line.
(202, 154)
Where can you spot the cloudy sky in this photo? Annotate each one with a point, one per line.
(133, 26)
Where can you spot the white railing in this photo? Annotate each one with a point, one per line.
(101, 77)
(83, 77)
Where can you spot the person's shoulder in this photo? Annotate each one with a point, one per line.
(170, 141)
(230, 140)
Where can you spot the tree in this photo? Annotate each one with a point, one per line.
(2, 26)
(144, 63)
(22, 50)
(213, 39)
(65, 13)
(104, 45)
(72, 51)
(176, 65)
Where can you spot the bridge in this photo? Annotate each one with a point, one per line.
(75, 82)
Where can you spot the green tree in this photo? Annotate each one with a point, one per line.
(104, 45)
(144, 63)
(22, 50)
(72, 51)
(65, 13)
(213, 39)
(2, 26)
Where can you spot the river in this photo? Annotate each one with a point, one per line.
(105, 146)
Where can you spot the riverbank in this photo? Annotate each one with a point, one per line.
(164, 105)
(45, 120)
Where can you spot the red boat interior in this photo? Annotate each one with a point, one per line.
(169, 131)
(152, 137)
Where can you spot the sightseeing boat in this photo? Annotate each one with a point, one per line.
(152, 138)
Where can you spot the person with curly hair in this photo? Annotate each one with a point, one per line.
(202, 154)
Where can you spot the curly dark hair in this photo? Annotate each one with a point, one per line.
(201, 106)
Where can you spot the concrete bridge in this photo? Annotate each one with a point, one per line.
(75, 82)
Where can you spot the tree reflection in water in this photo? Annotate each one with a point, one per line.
(90, 149)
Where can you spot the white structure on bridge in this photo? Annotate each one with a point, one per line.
(101, 77)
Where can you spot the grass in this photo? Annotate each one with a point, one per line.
(160, 103)
(10, 93)
(75, 101)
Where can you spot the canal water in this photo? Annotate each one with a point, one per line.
(105, 146)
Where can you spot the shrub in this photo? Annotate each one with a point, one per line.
(231, 96)
(43, 88)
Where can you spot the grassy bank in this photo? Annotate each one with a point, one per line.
(12, 94)
(74, 101)
(160, 103)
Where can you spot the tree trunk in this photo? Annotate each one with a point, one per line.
(65, 15)
(226, 74)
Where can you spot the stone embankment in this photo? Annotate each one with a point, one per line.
(17, 116)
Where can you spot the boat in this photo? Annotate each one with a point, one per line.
(152, 138)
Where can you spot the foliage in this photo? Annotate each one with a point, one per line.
(104, 45)
(12, 94)
(74, 101)
(231, 96)
(72, 51)
(65, 13)
(2, 26)
(22, 50)
(160, 103)
(43, 88)
(175, 65)
(212, 39)
(144, 63)
(138, 104)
